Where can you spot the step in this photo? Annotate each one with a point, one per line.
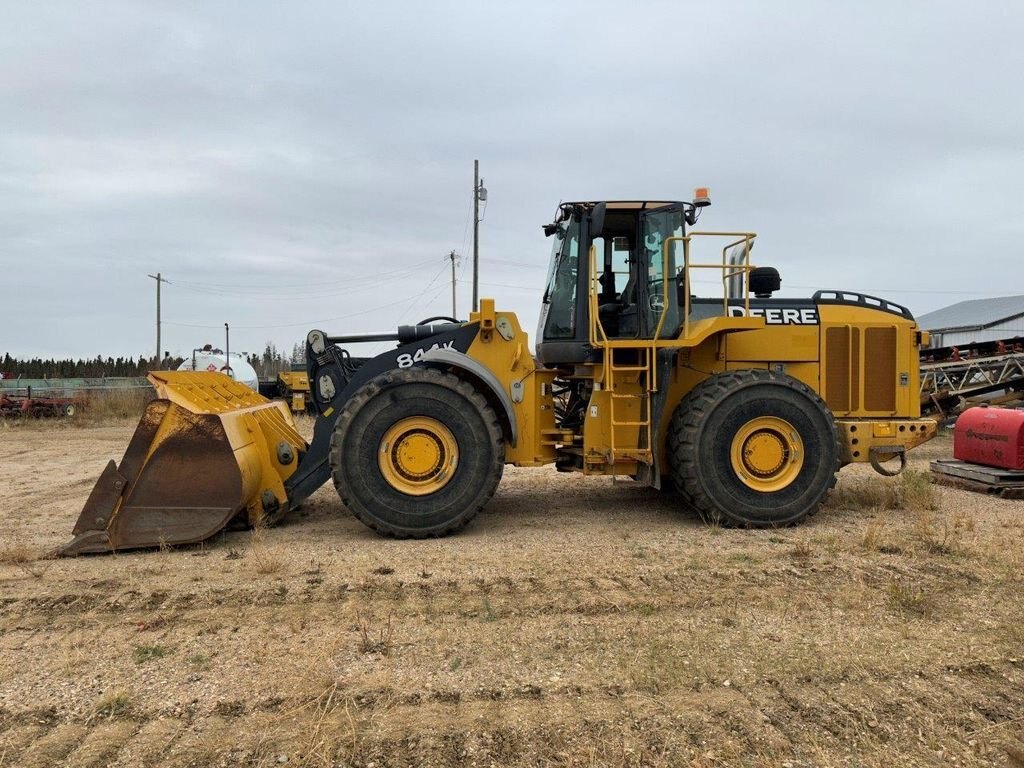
(634, 454)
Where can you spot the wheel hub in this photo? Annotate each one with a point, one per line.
(767, 453)
(418, 455)
(764, 453)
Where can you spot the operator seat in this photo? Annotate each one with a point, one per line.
(618, 315)
(629, 309)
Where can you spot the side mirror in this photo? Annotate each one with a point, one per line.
(597, 220)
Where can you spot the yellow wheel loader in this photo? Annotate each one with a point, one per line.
(290, 386)
(746, 405)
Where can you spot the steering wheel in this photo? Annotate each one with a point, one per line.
(438, 317)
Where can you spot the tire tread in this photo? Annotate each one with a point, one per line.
(684, 431)
(391, 379)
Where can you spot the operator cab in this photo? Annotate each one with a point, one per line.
(625, 240)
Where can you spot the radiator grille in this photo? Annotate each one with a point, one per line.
(837, 369)
(855, 369)
(880, 369)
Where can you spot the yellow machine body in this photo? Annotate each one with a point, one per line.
(294, 385)
(416, 437)
(863, 363)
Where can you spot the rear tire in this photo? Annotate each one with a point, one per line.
(754, 449)
(417, 453)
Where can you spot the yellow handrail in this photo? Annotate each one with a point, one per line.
(727, 270)
(598, 336)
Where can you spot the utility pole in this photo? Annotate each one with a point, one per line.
(479, 195)
(452, 257)
(159, 280)
(227, 351)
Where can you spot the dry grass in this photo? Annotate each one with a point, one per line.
(17, 553)
(26, 559)
(803, 549)
(942, 534)
(908, 599)
(74, 656)
(114, 404)
(94, 408)
(114, 705)
(375, 639)
(874, 537)
(266, 560)
(913, 489)
(575, 623)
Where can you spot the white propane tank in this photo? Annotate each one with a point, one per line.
(214, 361)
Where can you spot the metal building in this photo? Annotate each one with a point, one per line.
(974, 321)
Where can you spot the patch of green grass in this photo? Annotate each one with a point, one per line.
(144, 653)
(742, 557)
(908, 599)
(488, 610)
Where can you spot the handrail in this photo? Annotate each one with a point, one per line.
(728, 270)
(598, 335)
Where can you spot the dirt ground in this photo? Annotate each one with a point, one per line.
(576, 622)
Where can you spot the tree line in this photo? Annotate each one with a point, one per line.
(273, 361)
(84, 368)
(268, 364)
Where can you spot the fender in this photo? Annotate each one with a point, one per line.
(455, 359)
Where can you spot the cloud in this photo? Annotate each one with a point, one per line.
(288, 164)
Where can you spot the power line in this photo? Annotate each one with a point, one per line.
(305, 284)
(422, 293)
(304, 323)
(508, 285)
(344, 287)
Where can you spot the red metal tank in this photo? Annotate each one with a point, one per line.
(990, 436)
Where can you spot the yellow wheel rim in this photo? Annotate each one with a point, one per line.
(767, 454)
(418, 455)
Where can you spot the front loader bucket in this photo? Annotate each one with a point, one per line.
(208, 450)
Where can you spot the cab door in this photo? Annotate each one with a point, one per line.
(661, 286)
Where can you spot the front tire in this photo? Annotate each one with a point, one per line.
(754, 449)
(417, 453)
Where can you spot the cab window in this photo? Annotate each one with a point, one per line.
(560, 295)
(658, 226)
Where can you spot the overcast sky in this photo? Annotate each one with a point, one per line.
(298, 165)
